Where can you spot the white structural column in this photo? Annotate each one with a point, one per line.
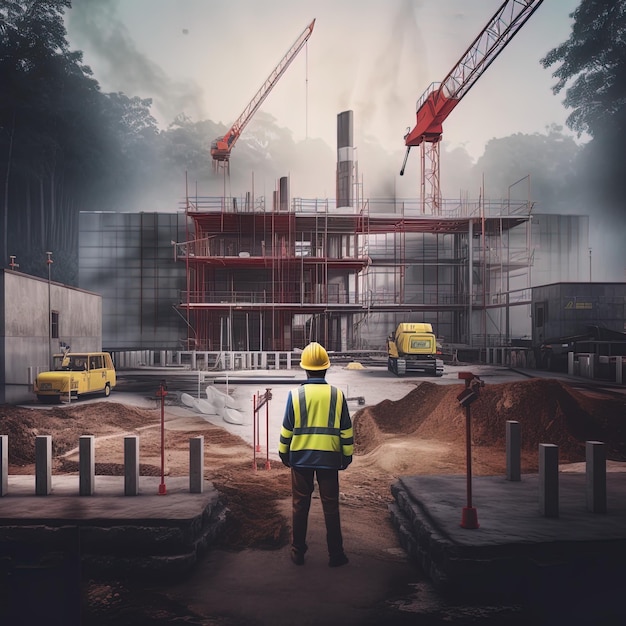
(596, 476)
(196, 464)
(131, 465)
(86, 465)
(4, 464)
(43, 465)
(513, 451)
(549, 479)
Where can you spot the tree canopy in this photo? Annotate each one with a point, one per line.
(591, 68)
(593, 64)
(64, 145)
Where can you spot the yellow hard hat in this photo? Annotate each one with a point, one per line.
(314, 357)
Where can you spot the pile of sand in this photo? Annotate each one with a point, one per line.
(548, 411)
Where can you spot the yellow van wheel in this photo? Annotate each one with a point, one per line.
(107, 390)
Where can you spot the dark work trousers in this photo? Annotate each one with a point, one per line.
(302, 488)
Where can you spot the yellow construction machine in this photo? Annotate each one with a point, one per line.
(413, 347)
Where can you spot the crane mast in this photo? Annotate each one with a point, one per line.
(222, 146)
(440, 99)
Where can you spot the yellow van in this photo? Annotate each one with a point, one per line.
(76, 374)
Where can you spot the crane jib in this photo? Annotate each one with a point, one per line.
(221, 147)
(439, 99)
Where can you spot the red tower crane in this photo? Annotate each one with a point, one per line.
(439, 99)
(221, 147)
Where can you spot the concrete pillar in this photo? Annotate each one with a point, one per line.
(596, 476)
(618, 370)
(196, 464)
(288, 360)
(86, 465)
(549, 479)
(131, 465)
(570, 363)
(513, 451)
(43, 465)
(4, 464)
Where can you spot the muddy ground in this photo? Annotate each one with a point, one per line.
(422, 433)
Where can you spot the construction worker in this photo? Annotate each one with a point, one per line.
(316, 441)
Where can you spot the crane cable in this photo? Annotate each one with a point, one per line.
(306, 91)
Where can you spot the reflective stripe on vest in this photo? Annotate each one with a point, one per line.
(322, 430)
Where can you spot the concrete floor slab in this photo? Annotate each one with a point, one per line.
(516, 552)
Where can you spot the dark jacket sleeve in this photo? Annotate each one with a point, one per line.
(347, 435)
(286, 433)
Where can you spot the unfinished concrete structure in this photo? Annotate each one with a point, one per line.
(241, 274)
(344, 272)
(261, 278)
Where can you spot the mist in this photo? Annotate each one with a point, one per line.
(94, 27)
(400, 61)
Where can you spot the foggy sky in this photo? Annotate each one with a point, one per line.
(376, 57)
(207, 59)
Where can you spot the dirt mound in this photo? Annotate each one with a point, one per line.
(397, 417)
(66, 424)
(548, 411)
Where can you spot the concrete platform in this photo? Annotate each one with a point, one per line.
(157, 535)
(516, 554)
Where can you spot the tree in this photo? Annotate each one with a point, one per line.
(548, 159)
(64, 145)
(593, 62)
(42, 109)
(592, 70)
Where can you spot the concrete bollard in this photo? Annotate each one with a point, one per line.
(131, 465)
(86, 465)
(513, 451)
(595, 454)
(43, 465)
(549, 479)
(4, 464)
(196, 464)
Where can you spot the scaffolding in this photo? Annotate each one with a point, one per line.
(264, 278)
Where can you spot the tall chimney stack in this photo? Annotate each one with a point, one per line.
(345, 159)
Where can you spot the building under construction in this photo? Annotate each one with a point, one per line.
(272, 276)
(229, 274)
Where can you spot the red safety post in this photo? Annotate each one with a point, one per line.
(161, 393)
(256, 438)
(254, 432)
(466, 397)
(267, 430)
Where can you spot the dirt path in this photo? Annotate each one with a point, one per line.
(248, 576)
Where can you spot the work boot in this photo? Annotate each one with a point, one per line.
(297, 557)
(337, 560)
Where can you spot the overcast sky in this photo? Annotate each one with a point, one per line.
(208, 58)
